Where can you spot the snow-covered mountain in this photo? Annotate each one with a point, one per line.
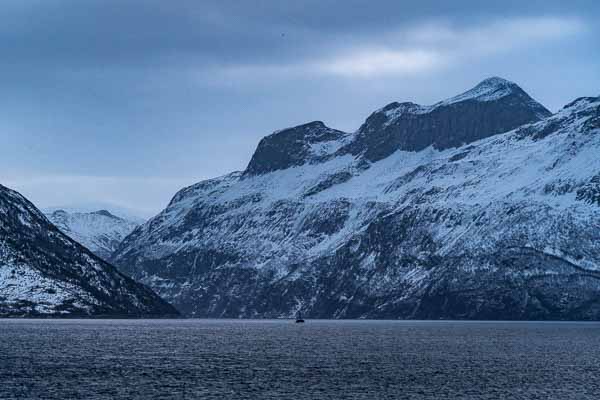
(480, 206)
(127, 213)
(45, 273)
(100, 231)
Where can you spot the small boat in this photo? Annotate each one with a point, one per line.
(299, 319)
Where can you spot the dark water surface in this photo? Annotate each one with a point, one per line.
(224, 359)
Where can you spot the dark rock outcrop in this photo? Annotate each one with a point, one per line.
(292, 147)
(492, 107)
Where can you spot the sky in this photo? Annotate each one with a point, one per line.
(124, 102)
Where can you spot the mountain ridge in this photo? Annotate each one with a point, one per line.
(493, 106)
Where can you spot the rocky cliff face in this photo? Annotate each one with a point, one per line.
(100, 231)
(312, 142)
(463, 223)
(45, 273)
(494, 106)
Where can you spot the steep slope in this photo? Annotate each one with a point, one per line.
(506, 227)
(99, 231)
(45, 273)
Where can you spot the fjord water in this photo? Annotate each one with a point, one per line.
(268, 359)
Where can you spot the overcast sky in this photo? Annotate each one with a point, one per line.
(125, 102)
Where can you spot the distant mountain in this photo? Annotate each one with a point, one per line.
(93, 206)
(45, 273)
(483, 206)
(100, 231)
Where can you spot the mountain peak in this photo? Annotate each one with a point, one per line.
(490, 89)
(292, 147)
(312, 124)
(493, 106)
(496, 81)
(408, 107)
(105, 213)
(308, 131)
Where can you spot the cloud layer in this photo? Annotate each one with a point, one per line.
(424, 47)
